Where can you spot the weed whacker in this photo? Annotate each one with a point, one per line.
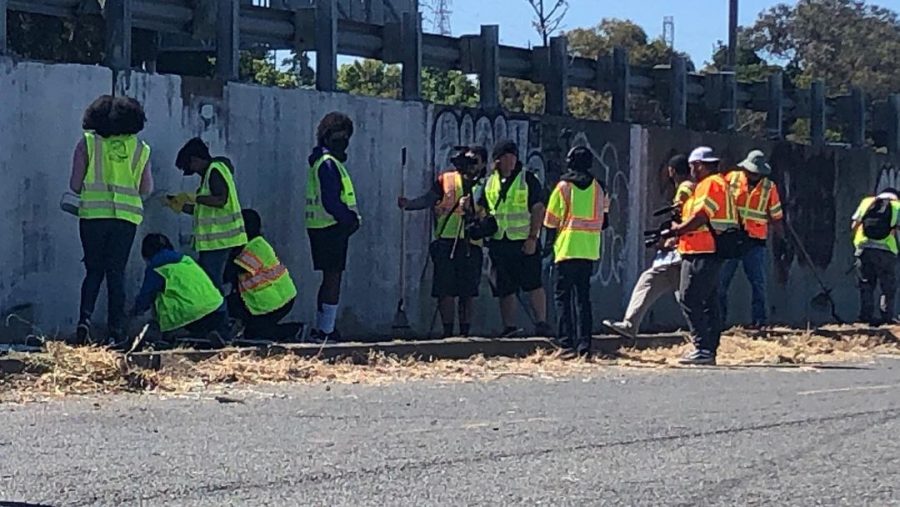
(822, 299)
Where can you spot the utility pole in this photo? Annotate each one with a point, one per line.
(732, 33)
(441, 23)
(669, 31)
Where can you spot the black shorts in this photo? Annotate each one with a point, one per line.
(329, 248)
(457, 277)
(514, 269)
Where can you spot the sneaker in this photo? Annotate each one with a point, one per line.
(543, 329)
(622, 328)
(318, 337)
(83, 332)
(699, 357)
(510, 332)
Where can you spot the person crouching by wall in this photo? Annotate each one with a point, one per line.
(110, 172)
(181, 293)
(262, 290)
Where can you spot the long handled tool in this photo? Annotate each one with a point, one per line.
(823, 298)
(400, 319)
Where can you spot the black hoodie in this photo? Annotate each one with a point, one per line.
(583, 180)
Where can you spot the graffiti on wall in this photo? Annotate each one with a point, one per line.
(888, 177)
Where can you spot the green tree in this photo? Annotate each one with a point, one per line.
(378, 79)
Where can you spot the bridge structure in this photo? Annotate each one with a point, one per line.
(391, 31)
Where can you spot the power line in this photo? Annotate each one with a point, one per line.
(441, 21)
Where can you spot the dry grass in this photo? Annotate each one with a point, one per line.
(88, 370)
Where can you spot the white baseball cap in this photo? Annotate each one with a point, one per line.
(703, 154)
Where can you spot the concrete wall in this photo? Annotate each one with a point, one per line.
(268, 134)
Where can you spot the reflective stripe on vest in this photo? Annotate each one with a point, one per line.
(188, 295)
(115, 166)
(316, 216)
(581, 228)
(448, 226)
(752, 205)
(512, 213)
(218, 228)
(266, 286)
(860, 241)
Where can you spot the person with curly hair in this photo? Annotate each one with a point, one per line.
(110, 172)
(331, 216)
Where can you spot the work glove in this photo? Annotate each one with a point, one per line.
(176, 202)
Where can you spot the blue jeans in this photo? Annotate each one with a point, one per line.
(754, 262)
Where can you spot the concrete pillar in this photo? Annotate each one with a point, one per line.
(489, 74)
(893, 126)
(729, 102)
(557, 86)
(817, 113)
(411, 37)
(775, 114)
(326, 45)
(117, 15)
(621, 76)
(228, 40)
(857, 117)
(3, 7)
(678, 92)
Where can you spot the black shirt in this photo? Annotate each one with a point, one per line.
(535, 189)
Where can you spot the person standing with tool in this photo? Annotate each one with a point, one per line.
(218, 224)
(874, 226)
(664, 275)
(456, 256)
(331, 217)
(110, 172)
(578, 212)
(759, 207)
(515, 197)
(708, 220)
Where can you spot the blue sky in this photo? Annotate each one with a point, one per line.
(698, 23)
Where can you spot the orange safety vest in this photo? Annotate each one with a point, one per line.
(447, 225)
(711, 197)
(756, 207)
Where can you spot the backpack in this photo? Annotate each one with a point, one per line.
(876, 221)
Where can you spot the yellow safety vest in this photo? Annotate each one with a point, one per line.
(448, 225)
(218, 228)
(188, 296)
(578, 216)
(266, 285)
(860, 241)
(112, 178)
(512, 214)
(316, 216)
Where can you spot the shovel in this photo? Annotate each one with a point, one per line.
(823, 299)
(400, 320)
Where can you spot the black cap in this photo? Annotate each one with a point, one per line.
(679, 162)
(580, 159)
(505, 147)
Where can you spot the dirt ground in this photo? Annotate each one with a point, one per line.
(63, 370)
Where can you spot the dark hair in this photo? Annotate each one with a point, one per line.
(127, 116)
(680, 164)
(480, 152)
(580, 159)
(96, 116)
(154, 243)
(193, 148)
(333, 122)
(505, 147)
(252, 222)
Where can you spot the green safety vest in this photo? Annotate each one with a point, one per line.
(580, 214)
(188, 296)
(860, 241)
(113, 176)
(316, 216)
(512, 213)
(266, 285)
(218, 228)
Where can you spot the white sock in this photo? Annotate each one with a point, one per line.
(329, 316)
(320, 319)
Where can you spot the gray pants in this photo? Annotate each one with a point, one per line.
(653, 284)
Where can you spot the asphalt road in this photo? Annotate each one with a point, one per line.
(683, 437)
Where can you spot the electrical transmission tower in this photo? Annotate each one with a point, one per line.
(441, 21)
(669, 31)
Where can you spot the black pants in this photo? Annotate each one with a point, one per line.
(699, 290)
(262, 326)
(876, 267)
(107, 245)
(215, 321)
(573, 304)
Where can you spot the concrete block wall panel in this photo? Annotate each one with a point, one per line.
(41, 107)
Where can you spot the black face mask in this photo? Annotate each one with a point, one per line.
(338, 146)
